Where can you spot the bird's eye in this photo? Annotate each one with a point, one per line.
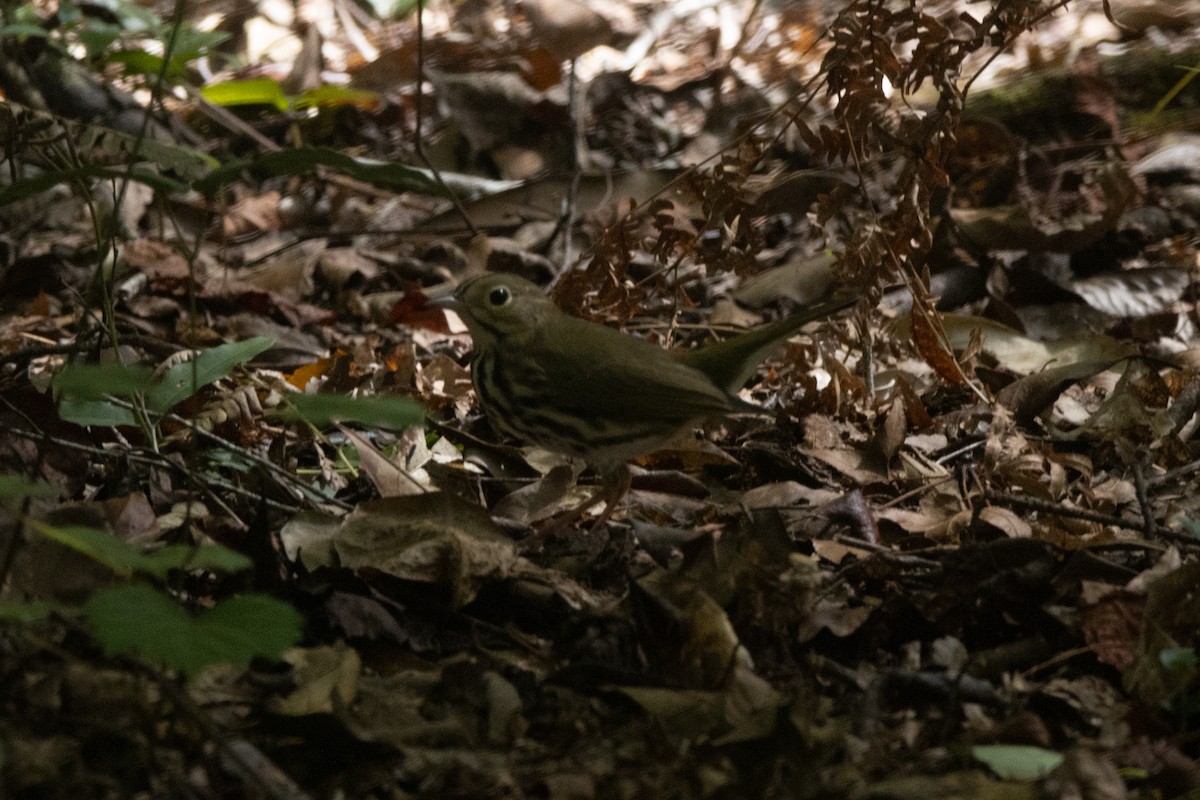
(499, 296)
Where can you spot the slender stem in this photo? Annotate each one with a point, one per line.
(420, 115)
(575, 133)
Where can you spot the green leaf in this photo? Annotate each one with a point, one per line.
(251, 91)
(212, 557)
(141, 621)
(400, 8)
(94, 412)
(382, 411)
(187, 163)
(253, 624)
(1181, 660)
(187, 377)
(95, 382)
(143, 20)
(145, 622)
(300, 161)
(1017, 762)
(125, 559)
(334, 96)
(137, 62)
(191, 43)
(82, 388)
(20, 29)
(159, 183)
(24, 188)
(96, 36)
(34, 185)
(18, 487)
(100, 546)
(25, 613)
(70, 14)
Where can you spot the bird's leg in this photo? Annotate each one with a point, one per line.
(614, 484)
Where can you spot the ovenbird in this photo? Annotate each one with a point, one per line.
(582, 389)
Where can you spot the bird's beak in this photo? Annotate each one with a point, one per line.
(445, 301)
(450, 306)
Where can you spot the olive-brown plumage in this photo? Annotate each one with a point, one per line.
(579, 388)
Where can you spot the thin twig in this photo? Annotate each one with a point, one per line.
(953, 454)
(1143, 498)
(230, 121)
(1046, 507)
(249, 763)
(306, 491)
(418, 137)
(575, 135)
(157, 460)
(1170, 475)
(30, 353)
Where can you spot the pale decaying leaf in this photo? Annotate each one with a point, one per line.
(252, 214)
(1165, 664)
(1086, 773)
(156, 259)
(785, 494)
(239, 404)
(478, 714)
(1006, 521)
(541, 199)
(325, 678)
(836, 615)
(1023, 355)
(802, 281)
(308, 537)
(1126, 420)
(916, 466)
(391, 479)
(1133, 293)
(566, 28)
(337, 267)
(707, 647)
(181, 514)
(714, 687)
(1013, 227)
(1112, 493)
(856, 464)
(134, 198)
(431, 538)
(959, 784)
(836, 552)
(1177, 151)
(1030, 395)
(744, 711)
(53, 208)
(941, 515)
(437, 539)
(889, 436)
(289, 273)
(545, 497)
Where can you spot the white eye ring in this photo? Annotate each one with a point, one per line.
(500, 296)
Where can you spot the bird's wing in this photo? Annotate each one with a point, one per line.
(600, 372)
(730, 363)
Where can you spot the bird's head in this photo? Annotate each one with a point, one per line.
(499, 306)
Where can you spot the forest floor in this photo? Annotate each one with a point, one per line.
(258, 540)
